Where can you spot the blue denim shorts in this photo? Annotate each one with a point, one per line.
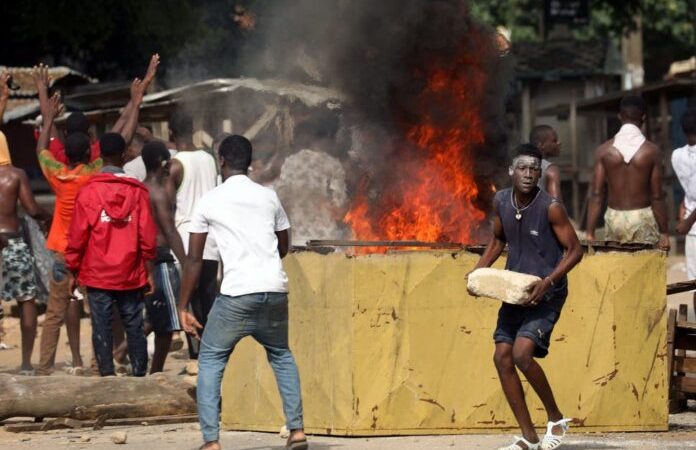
(535, 322)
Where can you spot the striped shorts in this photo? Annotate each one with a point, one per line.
(160, 307)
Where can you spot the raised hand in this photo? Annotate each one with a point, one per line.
(137, 91)
(151, 70)
(40, 76)
(54, 108)
(4, 87)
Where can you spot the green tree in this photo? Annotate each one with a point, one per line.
(668, 26)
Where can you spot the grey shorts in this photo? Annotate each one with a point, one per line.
(535, 322)
(18, 276)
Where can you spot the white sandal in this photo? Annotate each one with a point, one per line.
(552, 441)
(516, 446)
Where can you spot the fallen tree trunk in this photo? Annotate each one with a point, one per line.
(86, 398)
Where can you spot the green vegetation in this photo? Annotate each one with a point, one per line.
(669, 26)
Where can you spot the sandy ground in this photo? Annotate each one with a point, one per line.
(185, 437)
(682, 434)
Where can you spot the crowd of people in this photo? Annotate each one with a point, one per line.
(139, 229)
(134, 231)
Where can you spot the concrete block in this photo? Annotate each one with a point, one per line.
(504, 285)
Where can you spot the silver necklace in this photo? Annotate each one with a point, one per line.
(518, 211)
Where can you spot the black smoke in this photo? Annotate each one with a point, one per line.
(376, 53)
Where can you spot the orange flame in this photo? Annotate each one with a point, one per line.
(437, 192)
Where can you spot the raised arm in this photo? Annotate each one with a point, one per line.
(596, 200)
(4, 93)
(42, 81)
(553, 182)
(53, 109)
(128, 121)
(659, 206)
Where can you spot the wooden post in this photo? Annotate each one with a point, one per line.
(665, 144)
(526, 111)
(671, 327)
(574, 155)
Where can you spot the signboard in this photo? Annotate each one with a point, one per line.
(567, 11)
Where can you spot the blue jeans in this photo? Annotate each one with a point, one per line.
(263, 316)
(130, 306)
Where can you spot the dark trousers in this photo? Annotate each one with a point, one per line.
(202, 301)
(130, 306)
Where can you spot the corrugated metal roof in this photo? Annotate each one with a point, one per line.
(22, 77)
(307, 94)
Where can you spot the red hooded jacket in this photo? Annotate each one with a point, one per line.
(112, 233)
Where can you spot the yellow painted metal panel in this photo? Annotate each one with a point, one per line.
(392, 344)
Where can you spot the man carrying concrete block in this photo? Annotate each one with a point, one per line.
(541, 242)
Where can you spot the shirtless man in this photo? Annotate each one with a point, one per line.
(162, 317)
(632, 167)
(546, 140)
(18, 265)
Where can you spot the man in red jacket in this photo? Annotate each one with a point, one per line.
(111, 245)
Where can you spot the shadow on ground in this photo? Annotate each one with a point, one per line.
(312, 445)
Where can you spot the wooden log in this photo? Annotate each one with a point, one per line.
(23, 427)
(685, 384)
(685, 364)
(682, 286)
(85, 398)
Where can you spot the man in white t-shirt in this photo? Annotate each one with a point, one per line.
(252, 235)
(684, 164)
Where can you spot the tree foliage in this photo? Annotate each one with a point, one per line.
(668, 26)
(112, 39)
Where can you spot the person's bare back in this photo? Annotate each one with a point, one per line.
(631, 167)
(629, 183)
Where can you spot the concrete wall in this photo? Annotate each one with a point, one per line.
(392, 344)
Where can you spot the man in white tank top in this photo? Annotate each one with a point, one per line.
(193, 173)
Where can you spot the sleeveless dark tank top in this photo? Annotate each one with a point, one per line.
(532, 245)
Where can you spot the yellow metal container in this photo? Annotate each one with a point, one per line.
(392, 344)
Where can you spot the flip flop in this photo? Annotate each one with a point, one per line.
(300, 444)
(516, 445)
(177, 344)
(122, 370)
(77, 371)
(552, 441)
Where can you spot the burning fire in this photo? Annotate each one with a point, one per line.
(434, 196)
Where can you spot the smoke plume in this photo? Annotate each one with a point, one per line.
(418, 75)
